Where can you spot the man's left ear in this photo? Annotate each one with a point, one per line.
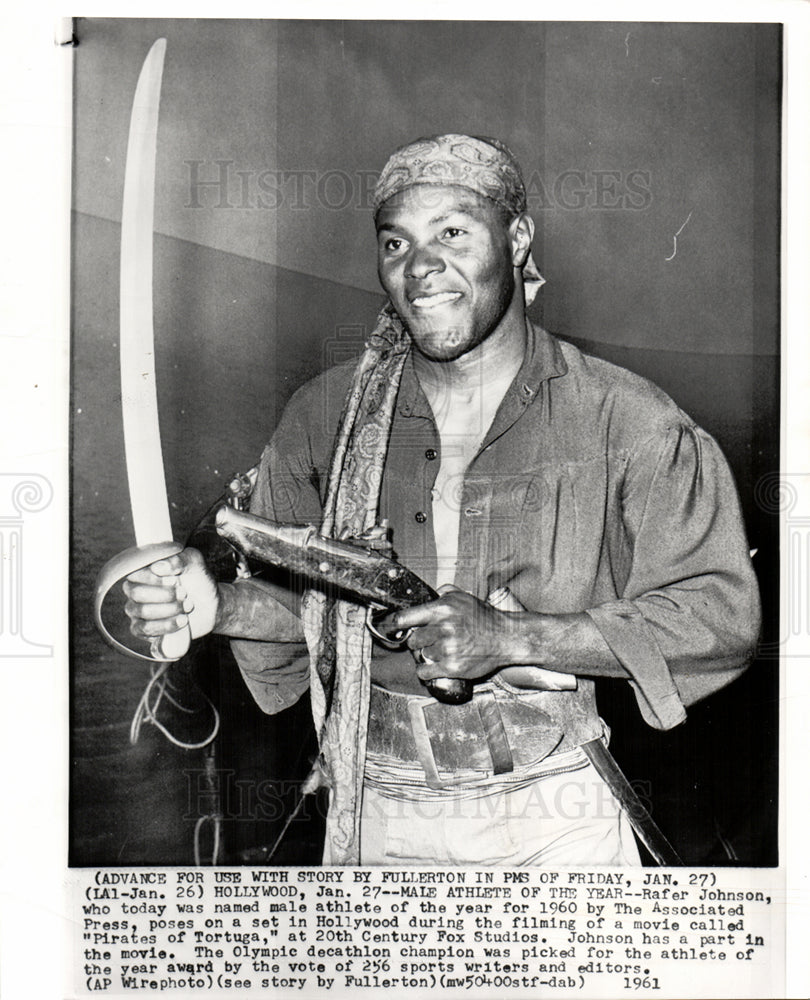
(521, 233)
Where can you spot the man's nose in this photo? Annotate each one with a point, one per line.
(423, 262)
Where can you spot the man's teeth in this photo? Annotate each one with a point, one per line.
(439, 299)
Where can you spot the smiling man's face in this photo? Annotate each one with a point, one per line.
(446, 258)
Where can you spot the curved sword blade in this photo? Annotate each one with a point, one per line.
(147, 481)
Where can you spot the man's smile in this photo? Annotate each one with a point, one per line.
(434, 299)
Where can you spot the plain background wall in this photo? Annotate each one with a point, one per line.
(627, 133)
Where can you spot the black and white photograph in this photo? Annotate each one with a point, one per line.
(582, 463)
(432, 551)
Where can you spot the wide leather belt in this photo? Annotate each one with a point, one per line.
(494, 733)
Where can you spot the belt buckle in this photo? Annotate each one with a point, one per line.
(492, 723)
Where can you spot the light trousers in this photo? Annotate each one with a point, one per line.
(559, 819)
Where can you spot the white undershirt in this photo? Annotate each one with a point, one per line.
(463, 418)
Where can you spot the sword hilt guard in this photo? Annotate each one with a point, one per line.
(164, 649)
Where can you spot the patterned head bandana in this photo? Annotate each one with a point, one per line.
(485, 166)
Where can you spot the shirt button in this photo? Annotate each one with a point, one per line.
(420, 517)
(431, 454)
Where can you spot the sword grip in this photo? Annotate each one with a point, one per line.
(165, 649)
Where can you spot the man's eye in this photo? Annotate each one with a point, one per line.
(393, 244)
(453, 231)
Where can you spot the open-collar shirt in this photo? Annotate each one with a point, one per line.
(592, 491)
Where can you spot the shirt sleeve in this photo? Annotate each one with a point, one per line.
(273, 659)
(688, 617)
(271, 652)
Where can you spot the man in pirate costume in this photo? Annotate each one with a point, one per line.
(576, 523)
